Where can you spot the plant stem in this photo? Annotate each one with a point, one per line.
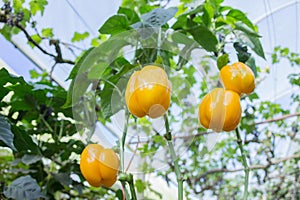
(132, 188)
(126, 177)
(46, 123)
(168, 137)
(122, 148)
(246, 168)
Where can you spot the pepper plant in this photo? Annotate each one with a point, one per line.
(45, 128)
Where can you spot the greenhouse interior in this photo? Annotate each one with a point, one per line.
(150, 99)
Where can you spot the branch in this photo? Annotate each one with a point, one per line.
(278, 119)
(29, 38)
(244, 160)
(6, 18)
(209, 132)
(58, 58)
(253, 167)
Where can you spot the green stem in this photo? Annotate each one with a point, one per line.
(126, 177)
(132, 188)
(168, 137)
(124, 134)
(246, 168)
(46, 123)
(158, 42)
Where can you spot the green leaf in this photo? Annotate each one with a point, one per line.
(294, 79)
(222, 60)
(205, 38)
(6, 77)
(115, 24)
(119, 194)
(208, 13)
(37, 6)
(242, 52)
(97, 70)
(181, 23)
(95, 42)
(63, 178)
(256, 46)
(156, 18)
(186, 1)
(79, 62)
(34, 74)
(240, 16)
(47, 32)
(23, 142)
(6, 31)
(181, 38)
(251, 63)
(36, 38)
(190, 72)
(28, 159)
(24, 187)
(18, 5)
(76, 89)
(6, 135)
(242, 27)
(253, 96)
(140, 186)
(112, 95)
(131, 15)
(77, 37)
(106, 52)
(72, 77)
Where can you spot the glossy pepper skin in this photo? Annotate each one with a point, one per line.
(238, 77)
(220, 110)
(148, 92)
(99, 166)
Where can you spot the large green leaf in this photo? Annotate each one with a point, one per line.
(238, 15)
(257, 47)
(156, 18)
(3, 93)
(97, 70)
(131, 15)
(6, 77)
(115, 24)
(30, 159)
(24, 187)
(76, 67)
(73, 75)
(181, 38)
(252, 42)
(251, 63)
(63, 178)
(6, 135)
(23, 142)
(92, 61)
(112, 95)
(242, 52)
(242, 27)
(204, 37)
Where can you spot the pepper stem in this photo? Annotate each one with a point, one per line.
(175, 159)
(244, 160)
